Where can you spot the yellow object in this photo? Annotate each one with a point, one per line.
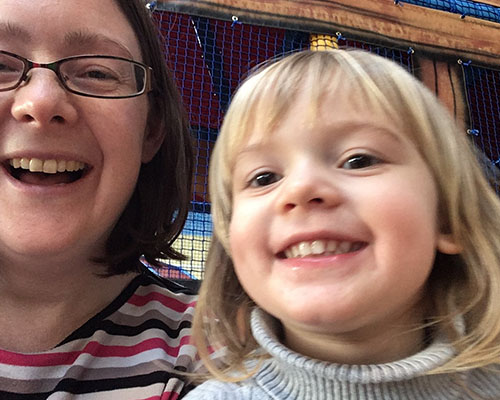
(195, 248)
(320, 42)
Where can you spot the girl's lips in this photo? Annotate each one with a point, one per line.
(341, 262)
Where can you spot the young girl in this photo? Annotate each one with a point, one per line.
(356, 252)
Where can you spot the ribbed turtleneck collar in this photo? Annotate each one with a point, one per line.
(289, 375)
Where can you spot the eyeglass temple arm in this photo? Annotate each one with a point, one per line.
(149, 79)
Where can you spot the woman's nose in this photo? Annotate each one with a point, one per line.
(309, 186)
(42, 100)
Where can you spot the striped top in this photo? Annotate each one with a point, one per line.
(291, 376)
(129, 351)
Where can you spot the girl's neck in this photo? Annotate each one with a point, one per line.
(374, 345)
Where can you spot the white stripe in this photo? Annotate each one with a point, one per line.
(136, 311)
(92, 363)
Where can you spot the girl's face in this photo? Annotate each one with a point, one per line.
(46, 215)
(334, 227)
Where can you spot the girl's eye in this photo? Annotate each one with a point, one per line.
(264, 179)
(360, 161)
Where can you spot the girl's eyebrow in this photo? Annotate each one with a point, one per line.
(343, 129)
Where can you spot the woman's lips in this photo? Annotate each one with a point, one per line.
(35, 171)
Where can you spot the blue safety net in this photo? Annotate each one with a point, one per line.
(482, 88)
(463, 8)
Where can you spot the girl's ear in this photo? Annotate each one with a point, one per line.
(446, 244)
(153, 139)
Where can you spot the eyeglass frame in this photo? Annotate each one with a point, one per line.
(55, 66)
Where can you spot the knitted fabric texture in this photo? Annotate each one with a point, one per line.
(288, 375)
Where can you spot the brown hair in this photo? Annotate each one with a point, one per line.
(467, 284)
(157, 210)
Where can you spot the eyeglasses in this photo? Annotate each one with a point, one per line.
(105, 77)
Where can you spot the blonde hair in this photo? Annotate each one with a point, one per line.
(469, 210)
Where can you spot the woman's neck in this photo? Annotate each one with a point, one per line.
(42, 303)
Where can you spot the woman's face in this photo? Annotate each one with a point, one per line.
(53, 215)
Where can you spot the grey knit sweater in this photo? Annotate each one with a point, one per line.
(288, 375)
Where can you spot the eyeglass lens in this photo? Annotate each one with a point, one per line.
(99, 76)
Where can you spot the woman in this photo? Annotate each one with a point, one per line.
(96, 167)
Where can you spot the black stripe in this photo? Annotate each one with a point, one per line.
(74, 386)
(125, 330)
(17, 396)
(99, 322)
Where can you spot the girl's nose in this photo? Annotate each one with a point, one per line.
(309, 186)
(42, 101)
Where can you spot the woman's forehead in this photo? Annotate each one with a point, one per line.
(67, 28)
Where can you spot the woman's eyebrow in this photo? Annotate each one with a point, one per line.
(89, 39)
(8, 29)
(77, 39)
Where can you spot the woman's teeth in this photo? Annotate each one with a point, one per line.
(46, 166)
(321, 247)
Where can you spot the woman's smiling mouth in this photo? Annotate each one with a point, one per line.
(45, 172)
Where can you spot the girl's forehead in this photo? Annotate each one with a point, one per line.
(327, 112)
(313, 103)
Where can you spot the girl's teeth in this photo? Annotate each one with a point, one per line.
(304, 249)
(46, 166)
(319, 247)
(343, 247)
(331, 246)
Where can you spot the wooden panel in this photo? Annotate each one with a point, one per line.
(446, 81)
(422, 28)
(495, 3)
(203, 150)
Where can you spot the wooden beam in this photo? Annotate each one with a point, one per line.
(446, 81)
(495, 3)
(425, 29)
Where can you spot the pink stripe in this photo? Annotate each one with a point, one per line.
(94, 349)
(167, 301)
(164, 396)
(169, 396)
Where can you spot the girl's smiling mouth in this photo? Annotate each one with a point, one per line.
(317, 248)
(36, 171)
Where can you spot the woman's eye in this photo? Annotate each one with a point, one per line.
(360, 161)
(264, 179)
(99, 75)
